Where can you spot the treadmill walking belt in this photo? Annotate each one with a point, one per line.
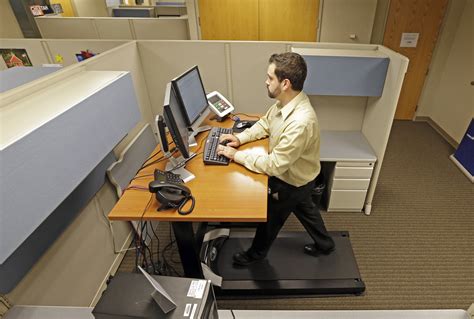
(287, 269)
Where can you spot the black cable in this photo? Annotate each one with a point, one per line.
(157, 152)
(190, 210)
(168, 268)
(137, 251)
(141, 176)
(157, 245)
(171, 255)
(157, 160)
(182, 163)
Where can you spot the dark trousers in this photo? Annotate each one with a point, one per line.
(283, 199)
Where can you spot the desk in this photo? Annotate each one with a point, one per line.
(223, 194)
(234, 194)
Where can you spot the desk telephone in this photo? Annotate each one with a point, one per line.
(171, 192)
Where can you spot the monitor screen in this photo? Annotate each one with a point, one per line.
(191, 94)
(175, 121)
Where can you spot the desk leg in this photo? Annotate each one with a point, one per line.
(188, 249)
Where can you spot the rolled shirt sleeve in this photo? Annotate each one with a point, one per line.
(294, 143)
(289, 149)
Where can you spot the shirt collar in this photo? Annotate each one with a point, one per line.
(288, 109)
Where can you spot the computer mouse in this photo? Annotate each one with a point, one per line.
(243, 124)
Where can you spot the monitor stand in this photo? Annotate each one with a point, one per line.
(192, 138)
(173, 162)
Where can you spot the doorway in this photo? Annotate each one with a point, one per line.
(412, 29)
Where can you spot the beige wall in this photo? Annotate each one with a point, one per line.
(341, 18)
(90, 8)
(448, 97)
(9, 27)
(381, 13)
(74, 268)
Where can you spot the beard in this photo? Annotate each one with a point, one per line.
(273, 94)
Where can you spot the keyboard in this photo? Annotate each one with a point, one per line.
(210, 149)
(167, 177)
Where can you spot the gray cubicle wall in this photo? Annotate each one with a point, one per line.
(41, 166)
(91, 264)
(167, 28)
(15, 77)
(235, 68)
(364, 101)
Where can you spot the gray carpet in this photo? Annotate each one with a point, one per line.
(415, 250)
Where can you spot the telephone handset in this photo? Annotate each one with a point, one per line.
(172, 195)
(219, 104)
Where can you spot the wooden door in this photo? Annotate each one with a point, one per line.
(409, 16)
(67, 7)
(268, 20)
(288, 20)
(228, 19)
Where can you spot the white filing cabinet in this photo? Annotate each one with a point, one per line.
(348, 184)
(347, 165)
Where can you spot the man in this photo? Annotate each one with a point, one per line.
(292, 162)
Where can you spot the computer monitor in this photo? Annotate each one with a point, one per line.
(193, 101)
(176, 123)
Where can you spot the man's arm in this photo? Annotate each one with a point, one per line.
(290, 147)
(259, 130)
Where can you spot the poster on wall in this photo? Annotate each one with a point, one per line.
(36, 11)
(15, 57)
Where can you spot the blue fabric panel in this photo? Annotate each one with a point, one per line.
(13, 77)
(40, 170)
(465, 151)
(24, 257)
(347, 76)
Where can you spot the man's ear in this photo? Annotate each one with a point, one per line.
(286, 84)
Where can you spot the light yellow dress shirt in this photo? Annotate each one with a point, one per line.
(294, 142)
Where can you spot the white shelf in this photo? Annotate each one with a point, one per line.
(346, 146)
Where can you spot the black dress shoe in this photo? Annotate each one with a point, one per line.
(312, 250)
(244, 259)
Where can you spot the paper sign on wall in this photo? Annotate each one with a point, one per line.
(409, 40)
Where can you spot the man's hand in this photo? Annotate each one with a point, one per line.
(227, 151)
(231, 139)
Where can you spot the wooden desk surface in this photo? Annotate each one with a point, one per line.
(223, 193)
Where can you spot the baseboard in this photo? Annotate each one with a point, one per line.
(462, 168)
(113, 268)
(438, 129)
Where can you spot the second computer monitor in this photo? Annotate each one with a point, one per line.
(175, 122)
(191, 95)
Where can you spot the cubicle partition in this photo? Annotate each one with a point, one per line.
(54, 51)
(352, 110)
(236, 69)
(165, 28)
(36, 50)
(72, 246)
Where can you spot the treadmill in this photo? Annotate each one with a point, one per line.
(287, 270)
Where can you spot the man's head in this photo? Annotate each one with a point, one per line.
(286, 73)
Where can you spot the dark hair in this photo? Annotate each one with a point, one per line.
(290, 66)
